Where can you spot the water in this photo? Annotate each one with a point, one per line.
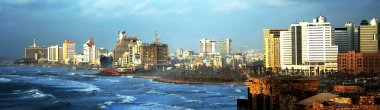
(24, 88)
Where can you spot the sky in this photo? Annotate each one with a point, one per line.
(180, 23)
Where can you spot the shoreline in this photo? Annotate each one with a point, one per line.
(145, 76)
(163, 80)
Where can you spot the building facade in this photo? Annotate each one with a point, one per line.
(35, 53)
(89, 52)
(207, 47)
(154, 54)
(55, 53)
(225, 46)
(355, 62)
(369, 36)
(318, 45)
(68, 50)
(272, 48)
(125, 44)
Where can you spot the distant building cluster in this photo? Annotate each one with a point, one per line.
(216, 55)
(312, 48)
(129, 53)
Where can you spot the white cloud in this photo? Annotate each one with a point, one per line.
(229, 6)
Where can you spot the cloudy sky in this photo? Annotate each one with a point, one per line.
(180, 23)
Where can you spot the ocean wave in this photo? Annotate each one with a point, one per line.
(108, 103)
(184, 98)
(199, 91)
(237, 90)
(163, 106)
(36, 93)
(60, 83)
(125, 98)
(153, 91)
(5, 80)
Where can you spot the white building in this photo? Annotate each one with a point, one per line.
(89, 52)
(309, 47)
(286, 48)
(318, 45)
(225, 46)
(207, 47)
(55, 53)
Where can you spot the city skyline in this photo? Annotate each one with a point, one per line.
(51, 22)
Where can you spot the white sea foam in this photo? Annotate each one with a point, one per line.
(36, 93)
(108, 103)
(237, 90)
(163, 106)
(60, 83)
(5, 80)
(184, 98)
(125, 98)
(155, 92)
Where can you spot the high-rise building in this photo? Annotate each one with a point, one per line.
(369, 34)
(286, 55)
(225, 46)
(55, 53)
(89, 52)
(291, 45)
(126, 43)
(154, 54)
(207, 47)
(318, 45)
(272, 48)
(68, 50)
(34, 52)
(341, 39)
(346, 38)
(309, 47)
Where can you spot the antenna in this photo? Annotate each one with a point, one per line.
(156, 38)
(34, 42)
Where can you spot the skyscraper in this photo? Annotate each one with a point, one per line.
(55, 53)
(309, 47)
(225, 46)
(286, 48)
(369, 34)
(346, 38)
(207, 47)
(272, 48)
(89, 52)
(68, 50)
(318, 45)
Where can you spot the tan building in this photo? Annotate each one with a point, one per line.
(154, 54)
(272, 48)
(35, 52)
(368, 35)
(68, 51)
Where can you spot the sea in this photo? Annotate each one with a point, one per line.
(41, 88)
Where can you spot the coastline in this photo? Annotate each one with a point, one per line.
(163, 80)
(141, 75)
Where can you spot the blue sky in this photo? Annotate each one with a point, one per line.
(180, 23)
